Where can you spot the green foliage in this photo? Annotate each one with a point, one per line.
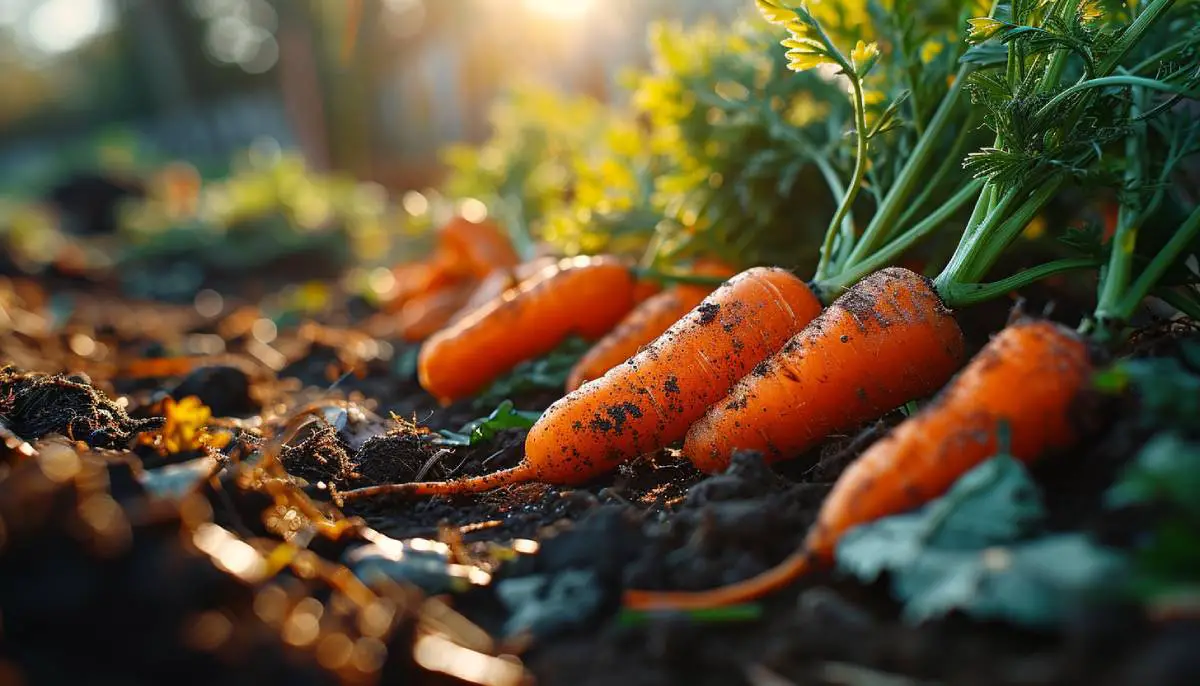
(485, 429)
(752, 155)
(545, 373)
(1165, 476)
(972, 550)
(1167, 390)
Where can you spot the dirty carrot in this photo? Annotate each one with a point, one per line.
(640, 327)
(1028, 377)
(584, 296)
(650, 400)
(887, 340)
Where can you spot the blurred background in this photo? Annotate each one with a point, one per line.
(370, 87)
(190, 139)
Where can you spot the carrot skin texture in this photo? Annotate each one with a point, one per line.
(887, 340)
(1027, 376)
(585, 296)
(648, 320)
(645, 323)
(650, 400)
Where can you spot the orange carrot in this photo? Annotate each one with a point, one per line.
(476, 247)
(650, 400)
(500, 280)
(585, 296)
(887, 340)
(1028, 376)
(646, 322)
(427, 313)
(415, 279)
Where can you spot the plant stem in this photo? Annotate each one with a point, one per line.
(954, 156)
(860, 170)
(964, 294)
(1159, 265)
(1121, 80)
(885, 218)
(959, 266)
(1187, 303)
(1124, 242)
(993, 243)
(1133, 34)
(678, 277)
(834, 285)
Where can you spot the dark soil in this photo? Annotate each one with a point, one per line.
(137, 603)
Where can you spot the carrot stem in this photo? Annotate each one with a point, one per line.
(1124, 242)
(964, 294)
(885, 256)
(1159, 265)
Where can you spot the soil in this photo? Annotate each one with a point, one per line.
(97, 564)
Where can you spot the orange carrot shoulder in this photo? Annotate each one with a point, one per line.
(884, 342)
(585, 296)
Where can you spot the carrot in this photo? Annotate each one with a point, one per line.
(476, 247)
(641, 326)
(585, 296)
(428, 313)
(650, 400)
(500, 280)
(1027, 376)
(887, 340)
(415, 279)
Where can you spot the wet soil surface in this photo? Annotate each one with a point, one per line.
(140, 606)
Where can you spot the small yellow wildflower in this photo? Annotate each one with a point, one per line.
(186, 426)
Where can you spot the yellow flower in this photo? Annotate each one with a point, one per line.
(929, 50)
(186, 426)
(864, 55)
(983, 28)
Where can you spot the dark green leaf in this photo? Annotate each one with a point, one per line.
(485, 429)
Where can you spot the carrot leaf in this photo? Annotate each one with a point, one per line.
(545, 373)
(485, 429)
(1163, 479)
(974, 550)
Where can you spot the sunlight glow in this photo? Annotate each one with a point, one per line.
(59, 26)
(560, 9)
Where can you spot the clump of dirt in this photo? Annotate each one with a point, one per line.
(731, 526)
(37, 404)
(401, 455)
(319, 457)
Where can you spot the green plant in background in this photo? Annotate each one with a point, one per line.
(751, 154)
(530, 166)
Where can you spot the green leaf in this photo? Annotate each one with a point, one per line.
(545, 373)
(1035, 583)
(969, 551)
(485, 429)
(1167, 468)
